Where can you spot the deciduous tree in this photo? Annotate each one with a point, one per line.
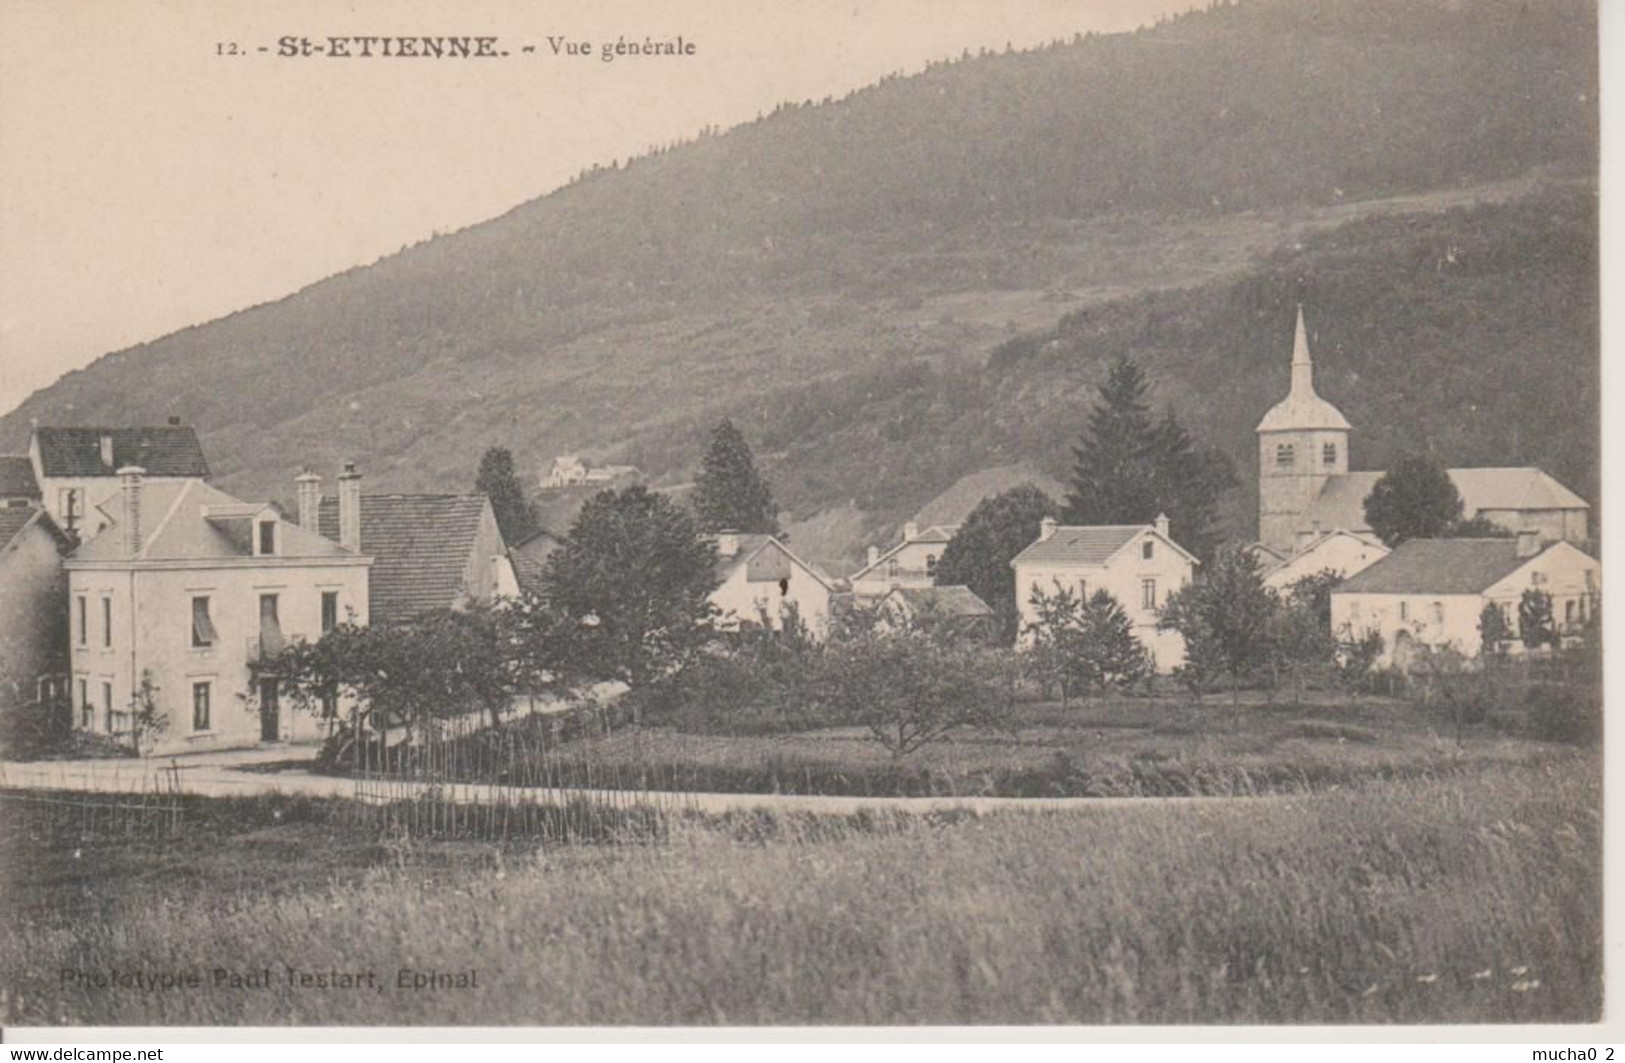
(1413, 500)
(979, 554)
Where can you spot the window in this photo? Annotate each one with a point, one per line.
(1147, 550)
(107, 621)
(82, 608)
(267, 537)
(930, 564)
(1148, 594)
(1404, 610)
(1328, 454)
(1438, 612)
(330, 611)
(107, 705)
(87, 712)
(1591, 579)
(200, 706)
(1285, 455)
(1569, 611)
(67, 502)
(203, 633)
(270, 627)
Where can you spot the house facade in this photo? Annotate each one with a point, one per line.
(1430, 593)
(76, 469)
(1304, 482)
(1138, 564)
(760, 577)
(910, 563)
(185, 587)
(34, 657)
(1342, 552)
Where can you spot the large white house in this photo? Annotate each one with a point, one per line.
(185, 587)
(760, 577)
(1138, 564)
(1304, 482)
(1432, 592)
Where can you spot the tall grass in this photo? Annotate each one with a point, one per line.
(1469, 898)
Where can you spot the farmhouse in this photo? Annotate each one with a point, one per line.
(428, 551)
(33, 612)
(1431, 592)
(1342, 552)
(911, 563)
(1304, 482)
(760, 577)
(76, 469)
(186, 587)
(1138, 564)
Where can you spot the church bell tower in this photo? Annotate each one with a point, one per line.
(1302, 442)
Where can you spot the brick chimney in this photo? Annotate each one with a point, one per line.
(310, 499)
(1528, 543)
(1161, 524)
(130, 487)
(350, 507)
(1046, 529)
(727, 544)
(874, 556)
(911, 531)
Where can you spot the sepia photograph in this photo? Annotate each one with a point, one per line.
(887, 514)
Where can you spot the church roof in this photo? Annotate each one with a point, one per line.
(1341, 503)
(1302, 409)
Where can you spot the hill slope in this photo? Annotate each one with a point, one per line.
(868, 254)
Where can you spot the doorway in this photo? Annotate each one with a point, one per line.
(270, 711)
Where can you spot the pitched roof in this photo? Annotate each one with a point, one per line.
(17, 477)
(1341, 502)
(752, 544)
(15, 519)
(1438, 566)
(164, 450)
(420, 546)
(936, 533)
(188, 520)
(952, 600)
(1080, 545)
(529, 557)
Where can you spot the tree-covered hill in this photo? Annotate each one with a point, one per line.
(835, 274)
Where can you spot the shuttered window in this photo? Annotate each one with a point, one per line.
(271, 640)
(203, 633)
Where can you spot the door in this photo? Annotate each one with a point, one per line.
(270, 711)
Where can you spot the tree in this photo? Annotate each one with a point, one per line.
(1224, 618)
(498, 482)
(1078, 644)
(1493, 631)
(1302, 630)
(1115, 657)
(632, 582)
(148, 720)
(1536, 625)
(979, 554)
(730, 494)
(1130, 468)
(1413, 500)
(1478, 528)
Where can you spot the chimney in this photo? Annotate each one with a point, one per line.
(106, 443)
(1046, 529)
(130, 486)
(310, 500)
(174, 421)
(1528, 543)
(727, 544)
(874, 556)
(911, 531)
(1161, 524)
(350, 507)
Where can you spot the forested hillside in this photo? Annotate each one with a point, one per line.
(836, 275)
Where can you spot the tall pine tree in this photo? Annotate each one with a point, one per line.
(497, 481)
(730, 494)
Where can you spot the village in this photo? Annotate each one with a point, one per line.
(135, 591)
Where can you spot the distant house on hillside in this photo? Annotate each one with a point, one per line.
(1339, 551)
(760, 577)
(34, 659)
(1431, 592)
(1138, 564)
(569, 470)
(911, 563)
(429, 551)
(183, 590)
(1304, 482)
(76, 469)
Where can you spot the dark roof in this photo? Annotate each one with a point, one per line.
(1073, 545)
(17, 477)
(13, 519)
(951, 600)
(420, 546)
(167, 450)
(1438, 566)
(529, 557)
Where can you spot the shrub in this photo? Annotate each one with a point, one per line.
(1562, 712)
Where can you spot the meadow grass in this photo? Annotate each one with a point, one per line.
(1471, 897)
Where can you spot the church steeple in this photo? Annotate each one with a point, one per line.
(1303, 370)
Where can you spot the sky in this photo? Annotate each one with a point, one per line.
(149, 182)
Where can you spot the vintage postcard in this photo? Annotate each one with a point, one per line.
(1044, 513)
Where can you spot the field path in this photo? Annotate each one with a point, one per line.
(233, 774)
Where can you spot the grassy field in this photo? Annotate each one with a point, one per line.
(1465, 897)
(1116, 746)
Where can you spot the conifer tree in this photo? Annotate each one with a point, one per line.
(497, 481)
(731, 494)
